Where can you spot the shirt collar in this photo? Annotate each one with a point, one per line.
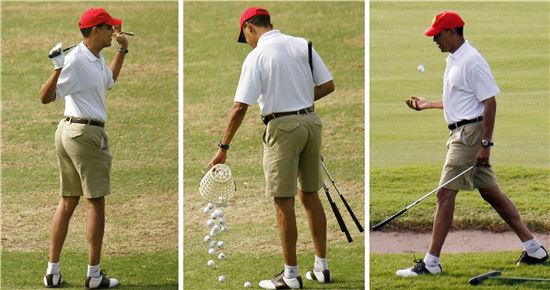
(268, 35)
(89, 55)
(460, 51)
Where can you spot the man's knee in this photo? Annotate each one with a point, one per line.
(96, 203)
(446, 195)
(68, 203)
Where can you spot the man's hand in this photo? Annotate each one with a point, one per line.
(483, 155)
(59, 59)
(218, 158)
(418, 103)
(119, 37)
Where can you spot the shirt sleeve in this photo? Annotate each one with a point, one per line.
(67, 83)
(482, 82)
(321, 74)
(249, 87)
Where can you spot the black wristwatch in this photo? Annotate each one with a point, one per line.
(486, 143)
(223, 146)
(123, 50)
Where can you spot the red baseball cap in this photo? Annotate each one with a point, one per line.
(96, 16)
(444, 20)
(247, 14)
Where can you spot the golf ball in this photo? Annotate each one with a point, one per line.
(221, 244)
(213, 233)
(211, 251)
(213, 216)
(247, 284)
(420, 68)
(222, 221)
(210, 223)
(212, 244)
(221, 278)
(206, 210)
(207, 238)
(210, 205)
(218, 213)
(211, 263)
(216, 228)
(221, 256)
(224, 229)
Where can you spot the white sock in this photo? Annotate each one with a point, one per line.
(531, 246)
(93, 271)
(291, 271)
(53, 268)
(320, 264)
(431, 260)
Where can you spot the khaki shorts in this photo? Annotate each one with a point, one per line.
(462, 149)
(292, 152)
(84, 160)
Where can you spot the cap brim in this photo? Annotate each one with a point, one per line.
(241, 38)
(432, 31)
(114, 22)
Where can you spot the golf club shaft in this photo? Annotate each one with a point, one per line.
(383, 223)
(350, 211)
(521, 279)
(128, 33)
(337, 214)
(479, 279)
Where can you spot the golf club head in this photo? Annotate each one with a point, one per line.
(479, 279)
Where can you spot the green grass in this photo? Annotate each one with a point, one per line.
(457, 270)
(142, 211)
(141, 271)
(212, 64)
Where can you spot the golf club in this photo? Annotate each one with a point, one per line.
(350, 211)
(495, 275)
(57, 52)
(383, 223)
(337, 212)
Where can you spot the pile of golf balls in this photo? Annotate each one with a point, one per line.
(216, 224)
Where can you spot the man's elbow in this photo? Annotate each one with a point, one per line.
(45, 99)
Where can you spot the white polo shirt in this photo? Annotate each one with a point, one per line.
(276, 74)
(83, 83)
(467, 82)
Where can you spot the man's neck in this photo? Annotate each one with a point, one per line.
(459, 44)
(93, 47)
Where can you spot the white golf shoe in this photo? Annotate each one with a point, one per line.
(419, 269)
(53, 280)
(280, 282)
(320, 276)
(101, 282)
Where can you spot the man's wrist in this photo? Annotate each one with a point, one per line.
(223, 146)
(486, 143)
(122, 50)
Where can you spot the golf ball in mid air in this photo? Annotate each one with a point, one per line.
(211, 263)
(247, 284)
(210, 205)
(221, 278)
(221, 244)
(210, 223)
(211, 251)
(207, 238)
(420, 68)
(221, 256)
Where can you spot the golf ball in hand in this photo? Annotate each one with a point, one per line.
(420, 68)
(211, 263)
(247, 284)
(221, 278)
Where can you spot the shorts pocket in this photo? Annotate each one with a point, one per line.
(470, 135)
(288, 127)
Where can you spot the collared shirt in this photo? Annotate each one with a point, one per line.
(468, 81)
(83, 83)
(276, 74)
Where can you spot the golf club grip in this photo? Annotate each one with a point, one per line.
(479, 279)
(341, 222)
(357, 223)
(383, 223)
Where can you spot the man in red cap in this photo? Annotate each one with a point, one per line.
(81, 79)
(469, 107)
(278, 75)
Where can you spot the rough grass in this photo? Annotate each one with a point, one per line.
(142, 212)
(457, 270)
(212, 66)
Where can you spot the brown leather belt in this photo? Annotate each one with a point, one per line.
(85, 121)
(464, 122)
(272, 116)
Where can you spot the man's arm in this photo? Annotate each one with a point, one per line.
(419, 103)
(236, 116)
(116, 63)
(48, 90)
(323, 90)
(489, 115)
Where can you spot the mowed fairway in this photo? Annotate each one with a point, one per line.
(212, 67)
(141, 244)
(407, 148)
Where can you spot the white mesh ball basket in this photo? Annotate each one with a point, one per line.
(217, 185)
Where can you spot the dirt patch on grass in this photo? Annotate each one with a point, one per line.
(456, 242)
